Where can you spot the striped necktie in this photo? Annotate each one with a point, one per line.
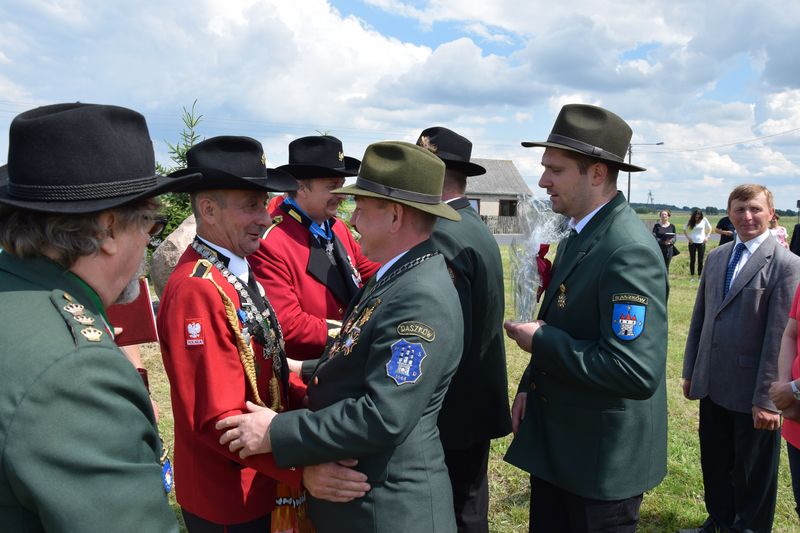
(737, 254)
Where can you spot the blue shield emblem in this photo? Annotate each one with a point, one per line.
(405, 366)
(166, 475)
(627, 320)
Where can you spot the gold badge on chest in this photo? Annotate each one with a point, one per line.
(561, 299)
(351, 331)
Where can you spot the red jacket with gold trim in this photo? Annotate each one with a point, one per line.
(208, 384)
(285, 265)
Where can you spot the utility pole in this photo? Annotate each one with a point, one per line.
(630, 153)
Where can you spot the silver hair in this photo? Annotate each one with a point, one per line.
(65, 237)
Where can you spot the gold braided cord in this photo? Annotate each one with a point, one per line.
(275, 393)
(245, 351)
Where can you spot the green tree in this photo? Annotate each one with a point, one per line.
(177, 205)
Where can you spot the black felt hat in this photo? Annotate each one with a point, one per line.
(231, 162)
(451, 148)
(592, 131)
(80, 158)
(319, 156)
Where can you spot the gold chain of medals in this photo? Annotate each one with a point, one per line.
(351, 330)
(394, 275)
(263, 325)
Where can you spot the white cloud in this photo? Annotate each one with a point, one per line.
(483, 32)
(710, 181)
(783, 110)
(277, 70)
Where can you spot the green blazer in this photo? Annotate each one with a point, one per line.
(596, 416)
(79, 448)
(475, 408)
(376, 396)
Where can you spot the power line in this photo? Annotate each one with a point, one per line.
(725, 145)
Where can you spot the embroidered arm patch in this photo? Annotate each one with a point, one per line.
(405, 366)
(627, 315)
(193, 332)
(413, 328)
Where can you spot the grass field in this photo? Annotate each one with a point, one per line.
(676, 503)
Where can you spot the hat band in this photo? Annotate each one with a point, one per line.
(586, 148)
(87, 191)
(452, 156)
(321, 164)
(400, 194)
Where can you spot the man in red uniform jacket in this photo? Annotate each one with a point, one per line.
(308, 260)
(222, 345)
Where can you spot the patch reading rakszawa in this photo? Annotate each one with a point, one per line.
(629, 298)
(414, 328)
(628, 315)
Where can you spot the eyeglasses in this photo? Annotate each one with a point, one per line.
(159, 223)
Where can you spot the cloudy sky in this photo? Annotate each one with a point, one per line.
(714, 81)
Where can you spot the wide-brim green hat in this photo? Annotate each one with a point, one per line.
(591, 131)
(404, 173)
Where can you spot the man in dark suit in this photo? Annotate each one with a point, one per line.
(475, 409)
(79, 440)
(376, 393)
(730, 360)
(590, 415)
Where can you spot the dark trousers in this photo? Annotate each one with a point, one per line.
(666, 251)
(554, 510)
(740, 470)
(468, 476)
(696, 252)
(195, 524)
(794, 468)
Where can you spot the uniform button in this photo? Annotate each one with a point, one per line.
(544, 399)
(292, 468)
(533, 386)
(316, 380)
(543, 373)
(341, 310)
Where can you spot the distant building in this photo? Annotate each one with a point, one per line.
(495, 194)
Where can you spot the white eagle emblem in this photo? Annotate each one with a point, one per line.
(194, 332)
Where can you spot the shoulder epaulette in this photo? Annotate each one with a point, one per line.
(87, 329)
(275, 221)
(202, 269)
(295, 215)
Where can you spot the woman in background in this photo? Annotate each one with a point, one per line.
(664, 232)
(783, 396)
(779, 232)
(697, 231)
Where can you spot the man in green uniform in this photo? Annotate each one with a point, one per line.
(80, 446)
(590, 415)
(475, 409)
(376, 393)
